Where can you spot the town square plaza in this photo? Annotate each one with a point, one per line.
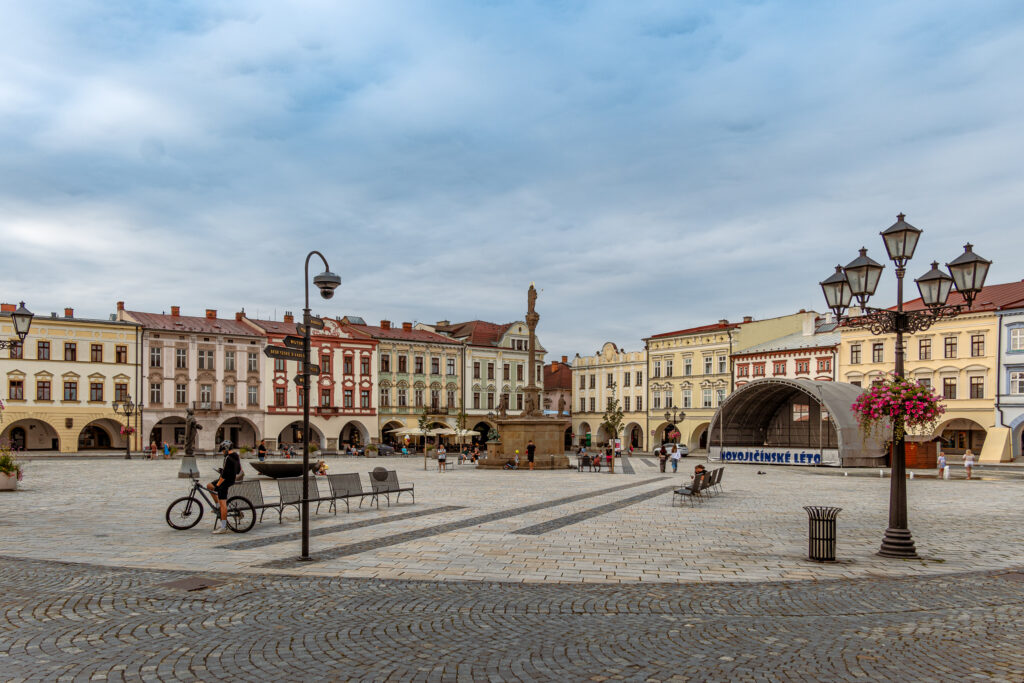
(512, 575)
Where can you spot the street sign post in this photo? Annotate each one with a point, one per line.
(285, 353)
(312, 368)
(318, 323)
(293, 342)
(300, 329)
(300, 380)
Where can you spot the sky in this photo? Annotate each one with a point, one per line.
(650, 165)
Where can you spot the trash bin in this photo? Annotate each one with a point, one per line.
(821, 532)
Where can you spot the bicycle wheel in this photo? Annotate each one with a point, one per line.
(241, 514)
(184, 513)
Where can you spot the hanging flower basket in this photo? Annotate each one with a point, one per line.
(674, 435)
(127, 431)
(878, 407)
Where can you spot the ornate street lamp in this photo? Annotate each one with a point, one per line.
(22, 321)
(127, 408)
(326, 282)
(967, 273)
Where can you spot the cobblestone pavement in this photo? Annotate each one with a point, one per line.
(79, 622)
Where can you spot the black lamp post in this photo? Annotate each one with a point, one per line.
(22, 321)
(327, 282)
(674, 418)
(858, 280)
(128, 408)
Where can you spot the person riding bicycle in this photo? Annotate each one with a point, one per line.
(230, 469)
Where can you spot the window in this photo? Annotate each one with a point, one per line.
(279, 365)
(925, 382)
(476, 370)
(593, 381)
(70, 391)
(668, 398)
(205, 395)
(803, 367)
(96, 353)
(824, 365)
(418, 397)
(720, 396)
(639, 378)
(254, 395)
(625, 379)
(583, 405)
(723, 365)
(583, 381)
(252, 362)
(121, 392)
(656, 399)
(418, 367)
(625, 402)
(687, 398)
(325, 364)
(506, 372)
(519, 401)
(519, 372)
(949, 387)
(435, 365)
(759, 369)
(403, 398)
(668, 367)
(364, 398)
(609, 380)
(385, 362)
(155, 394)
(490, 400)
(476, 400)
(855, 382)
(301, 396)
(450, 366)
(490, 371)
(364, 366)
(743, 370)
(977, 387)
(346, 365)
(325, 398)
(801, 412)
(279, 397)
(687, 366)
(593, 405)
(1017, 383)
(403, 364)
(435, 398)
(977, 345)
(657, 368)
(229, 361)
(229, 394)
(1016, 339)
(70, 351)
(16, 390)
(706, 397)
(385, 397)
(779, 367)
(639, 403)
(17, 349)
(854, 354)
(180, 393)
(878, 352)
(451, 399)
(42, 390)
(950, 347)
(924, 349)
(180, 358)
(708, 363)
(347, 398)
(206, 359)
(43, 350)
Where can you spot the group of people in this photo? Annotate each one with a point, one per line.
(584, 459)
(968, 463)
(665, 455)
(165, 447)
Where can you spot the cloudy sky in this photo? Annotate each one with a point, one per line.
(651, 165)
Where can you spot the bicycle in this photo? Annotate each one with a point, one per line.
(185, 512)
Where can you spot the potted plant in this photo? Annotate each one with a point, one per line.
(173, 450)
(245, 451)
(371, 450)
(10, 470)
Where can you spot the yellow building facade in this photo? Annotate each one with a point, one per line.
(596, 379)
(61, 383)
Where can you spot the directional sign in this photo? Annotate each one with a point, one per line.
(300, 328)
(318, 323)
(312, 368)
(293, 342)
(285, 353)
(300, 380)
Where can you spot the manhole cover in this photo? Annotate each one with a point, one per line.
(192, 584)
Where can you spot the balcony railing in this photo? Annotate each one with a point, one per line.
(207, 406)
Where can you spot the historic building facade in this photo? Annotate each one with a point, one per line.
(417, 373)
(609, 373)
(343, 405)
(210, 365)
(1010, 380)
(63, 379)
(959, 357)
(558, 386)
(807, 354)
(690, 371)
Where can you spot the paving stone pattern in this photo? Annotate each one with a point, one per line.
(70, 622)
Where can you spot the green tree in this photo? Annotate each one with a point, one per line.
(612, 422)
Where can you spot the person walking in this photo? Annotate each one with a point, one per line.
(167, 451)
(261, 450)
(531, 449)
(152, 449)
(675, 456)
(968, 462)
(942, 464)
(219, 487)
(662, 457)
(442, 458)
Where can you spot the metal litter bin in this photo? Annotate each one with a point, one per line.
(821, 532)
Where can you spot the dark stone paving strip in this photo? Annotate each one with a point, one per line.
(649, 463)
(334, 528)
(427, 532)
(627, 466)
(576, 518)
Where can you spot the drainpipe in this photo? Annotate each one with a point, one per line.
(647, 398)
(999, 363)
(140, 335)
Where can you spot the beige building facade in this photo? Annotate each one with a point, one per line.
(61, 383)
(609, 373)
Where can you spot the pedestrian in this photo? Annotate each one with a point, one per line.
(261, 450)
(609, 455)
(167, 451)
(662, 457)
(942, 464)
(531, 449)
(476, 453)
(968, 462)
(675, 456)
(152, 449)
(219, 487)
(442, 458)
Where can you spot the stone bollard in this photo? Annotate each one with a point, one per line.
(945, 472)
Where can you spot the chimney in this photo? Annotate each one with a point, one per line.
(175, 311)
(442, 323)
(239, 315)
(8, 308)
(723, 321)
(407, 327)
(748, 318)
(211, 313)
(69, 313)
(565, 359)
(385, 324)
(288, 317)
(810, 320)
(120, 305)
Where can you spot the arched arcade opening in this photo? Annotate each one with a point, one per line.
(30, 434)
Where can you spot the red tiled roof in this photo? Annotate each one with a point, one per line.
(697, 330)
(189, 323)
(558, 375)
(477, 332)
(274, 326)
(397, 333)
(990, 298)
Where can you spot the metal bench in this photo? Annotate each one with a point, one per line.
(253, 492)
(385, 482)
(343, 487)
(290, 491)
